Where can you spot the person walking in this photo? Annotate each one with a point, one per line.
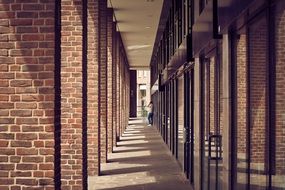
(150, 113)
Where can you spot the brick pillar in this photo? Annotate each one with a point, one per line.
(26, 95)
(114, 71)
(110, 79)
(103, 79)
(93, 50)
(71, 95)
(118, 88)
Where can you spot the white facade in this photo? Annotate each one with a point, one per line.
(143, 92)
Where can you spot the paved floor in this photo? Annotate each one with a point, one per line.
(141, 161)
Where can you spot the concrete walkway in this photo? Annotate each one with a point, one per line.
(140, 162)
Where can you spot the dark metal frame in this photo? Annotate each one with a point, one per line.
(57, 97)
(84, 93)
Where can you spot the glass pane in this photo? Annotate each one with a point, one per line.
(278, 177)
(220, 117)
(205, 126)
(258, 103)
(181, 121)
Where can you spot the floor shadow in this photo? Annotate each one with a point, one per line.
(141, 160)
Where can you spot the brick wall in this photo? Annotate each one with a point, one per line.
(110, 79)
(93, 129)
(26, 94)
(280, 90)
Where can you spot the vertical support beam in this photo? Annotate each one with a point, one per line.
(114, 94)
(110, 79)
(227, 131)
(57, 98)
(118, 88)
(103, 79)
(93, 88)
(197, 123)
(84, 93)
(27, 95)
(71, 95)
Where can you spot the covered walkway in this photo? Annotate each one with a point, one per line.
(140, 161)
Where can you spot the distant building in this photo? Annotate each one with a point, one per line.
(143, 92)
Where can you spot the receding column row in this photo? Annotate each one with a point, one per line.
(64, 81)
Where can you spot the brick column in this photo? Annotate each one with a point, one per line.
(114, 71)
(110, 79)
(118, 88)
(26, 94)
(93, 50)
(71, 95)
(103, 79)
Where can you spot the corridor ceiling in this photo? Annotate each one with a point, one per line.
(138, 22)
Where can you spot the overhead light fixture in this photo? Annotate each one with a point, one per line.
(136, 47)
(147, 27)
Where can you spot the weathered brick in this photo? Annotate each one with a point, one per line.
(26, 151)
(29, 182)
(4, 143)
(7, 136)
(20, 83)
(26, 136)
(7, 120)
(26, 105)
(21, 174)
(21, 113)
(26, 166)
(7, 166)
(6, 181)
(3, 174)
(21, 144)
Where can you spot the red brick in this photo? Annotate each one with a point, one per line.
(7, 120)
(21, 22)
(20, 83)
(21, 113)
(7, 136)
(7, 90)
(4, 143)
(46, 167)
(29, 182)
(4, 128)
(21, 174)
(3, 67)
(26, 136)
(6, 181)
(27, 144)
(7, 166)
(3, 174)
(26, 105)
(26, 166)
